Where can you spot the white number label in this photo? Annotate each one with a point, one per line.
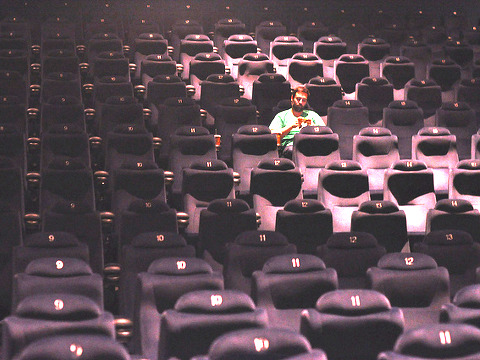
(216, 300)
(261, 344)
(355, 300)
(445, 337)
(58, 304)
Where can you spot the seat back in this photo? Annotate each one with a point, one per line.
(306, 223)
(248, 253)
(356, 315)
(346, 118)
(384, 220)
(404, 119)
(202, 316)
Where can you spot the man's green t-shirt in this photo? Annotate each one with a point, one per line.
(286, 118)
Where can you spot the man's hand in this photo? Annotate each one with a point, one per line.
(301, 122)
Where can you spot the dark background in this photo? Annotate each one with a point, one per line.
(371, 14)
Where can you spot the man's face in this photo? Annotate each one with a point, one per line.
(299, 101)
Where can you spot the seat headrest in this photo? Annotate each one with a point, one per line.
(221, 78)
(454, 205)
(330, 40)
(120, 100)
(448, 237)
(66, 163)
(179, 266)
(11, 35)
(192, 130)
(270, 23)
(468, 297)
(235, 101)
(347, 104)
(54, 239)
(129, 129)
(215, 302)
(403, 104)
(423, 342)
(261, 238)
(59, 347)
(58, 306)
(468, 164)
(111, 55)
(55, 267)
(316, 130)
(421, 83)
(9, 100)
(276, 164)
(375, 131)
(409, 165)
(157, 239)
(63, 100)
(434, 131)
(375, 81)
(397, 60)
(158, 58)
(12, 53)
(190, 22)
(271, 77)
(443, 62)
(322, 80)
(254, 130)
(210, 165)
(304, 206)
(286, 39)
(282, 264)
(280, 341)
(455, 106)
(373, 41)
(131, 164)
(162, 79)
(10, 75)
(72, 207)
(378, 207)
(255, 57)
(351, 58)
(197, 37)
(61, 76)
(474, 82)
(352, 239)
(208, 57)
(117, 79)
(339, 302)
(221, 206)
(61, 53)
(150, 36)
(344, 165)
(105, 36)
(149, 206)
(240, 38)
(179, 101)
(9, 129)
(407, 261)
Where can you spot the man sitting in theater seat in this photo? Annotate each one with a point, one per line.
(287, 123)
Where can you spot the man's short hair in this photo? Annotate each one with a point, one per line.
(300, 89)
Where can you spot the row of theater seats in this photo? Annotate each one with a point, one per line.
(350, 299)
(93, 123)
(275, 343)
